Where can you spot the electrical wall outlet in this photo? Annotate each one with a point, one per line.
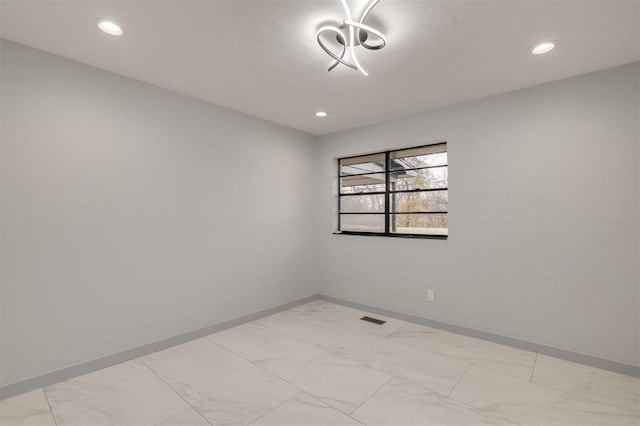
(431, 296)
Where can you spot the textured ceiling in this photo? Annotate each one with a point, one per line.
(261, 57)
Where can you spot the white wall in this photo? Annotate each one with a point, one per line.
(132, 214)
(543, 220)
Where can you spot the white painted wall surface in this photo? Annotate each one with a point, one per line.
(132, 214)
(543, 220)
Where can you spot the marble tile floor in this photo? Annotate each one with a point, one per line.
(318, 364)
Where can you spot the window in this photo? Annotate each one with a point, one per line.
(395, 193)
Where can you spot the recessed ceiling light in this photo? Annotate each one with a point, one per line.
(545, 47)
(110, 28)
(321, 114)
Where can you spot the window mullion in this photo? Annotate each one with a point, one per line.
(387, 216)
(339, 192)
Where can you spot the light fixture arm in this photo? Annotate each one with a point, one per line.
(364, 16)
(354, 29)
(339, 33)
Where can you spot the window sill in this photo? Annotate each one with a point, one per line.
(413, 236)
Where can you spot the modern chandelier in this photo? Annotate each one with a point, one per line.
(351, 34)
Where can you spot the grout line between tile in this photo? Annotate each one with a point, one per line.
(320, 346)
(329, 338)
(468, 406)
(277, 406)
(489, 413)
(535, 361)
(334, 354)
(370, 396)
(254, 347)
(177, 414)
(270, 372)
(398, 330)
(240, 354)
(354, 419)
(174, 391)
(567, 393)
(459, 380)
(46, 397)
(399, 343)
(291, 335)
(341, 355)
(456, 357)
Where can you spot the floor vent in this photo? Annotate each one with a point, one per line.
(373, 320)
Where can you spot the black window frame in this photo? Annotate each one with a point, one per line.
(387, 192)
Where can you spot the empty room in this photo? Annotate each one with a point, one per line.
(319, 212)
